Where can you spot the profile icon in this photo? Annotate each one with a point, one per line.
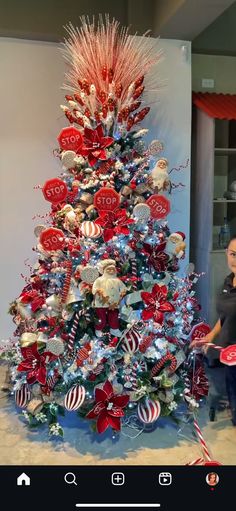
(212, 479)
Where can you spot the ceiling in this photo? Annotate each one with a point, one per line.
(209, 24)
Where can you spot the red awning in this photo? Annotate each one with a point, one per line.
(219, 106)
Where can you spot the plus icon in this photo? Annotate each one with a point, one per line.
(118, 478)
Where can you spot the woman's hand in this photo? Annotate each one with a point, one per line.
(202, 342)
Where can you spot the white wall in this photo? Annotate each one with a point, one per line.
(30, 95)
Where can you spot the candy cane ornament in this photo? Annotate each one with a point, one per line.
(157, 367)
(202, 441)
(134, 272)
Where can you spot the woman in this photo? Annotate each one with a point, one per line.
(225, 327)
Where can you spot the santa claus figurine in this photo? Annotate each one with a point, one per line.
(108, 291)
(175, 245)
(159, 179)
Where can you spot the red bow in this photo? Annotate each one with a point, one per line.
(108, 409)
(114, 222)
(35, 364)
(95, 144)
(157, 304)
(34, 298)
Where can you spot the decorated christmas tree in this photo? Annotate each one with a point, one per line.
(104, 320)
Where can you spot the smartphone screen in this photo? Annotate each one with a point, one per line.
(109, 396)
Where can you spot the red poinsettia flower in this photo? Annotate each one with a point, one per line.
(108, 408)
(156, 256)
(157, 304)
(35, 364)
(114, 222)
(95, 144)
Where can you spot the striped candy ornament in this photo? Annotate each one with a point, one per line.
(146, 343)
(22, 396)
(149, 411)
(66, 285)
(90, 230)
(74, 398)
(130, 340)
(83, 354)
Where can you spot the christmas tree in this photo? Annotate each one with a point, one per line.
(104, 319)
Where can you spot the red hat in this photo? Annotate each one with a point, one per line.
(181, 234)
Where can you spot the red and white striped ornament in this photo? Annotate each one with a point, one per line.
(130, 340)
(66, 285)
(90, 230)
(149, 411)
(74, 398)
(22, 396)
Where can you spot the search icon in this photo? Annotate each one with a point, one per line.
(70, 478)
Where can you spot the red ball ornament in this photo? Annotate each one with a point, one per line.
(55, 190)
(70, 139)
(159, 206)
(74, 398)
(149, 411)
(52, 239)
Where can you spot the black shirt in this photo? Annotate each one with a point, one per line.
(226, 309)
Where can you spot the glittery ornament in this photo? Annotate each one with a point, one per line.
(89, 274)
(68, 159)
(55, 345)
(155, 147)
(141, 212)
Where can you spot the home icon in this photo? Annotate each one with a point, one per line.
(23, 480)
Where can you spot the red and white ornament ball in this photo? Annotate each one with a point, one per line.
(74, 398)
(90, 229)
(22, 396)
(149, 411)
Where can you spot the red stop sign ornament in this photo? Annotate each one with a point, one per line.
(228, 355)
(199, 331)
(52, 239)
(55, 190)
(106, 199)
(70, 139)
(159, 206)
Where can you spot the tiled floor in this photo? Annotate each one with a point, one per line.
(163, 446)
